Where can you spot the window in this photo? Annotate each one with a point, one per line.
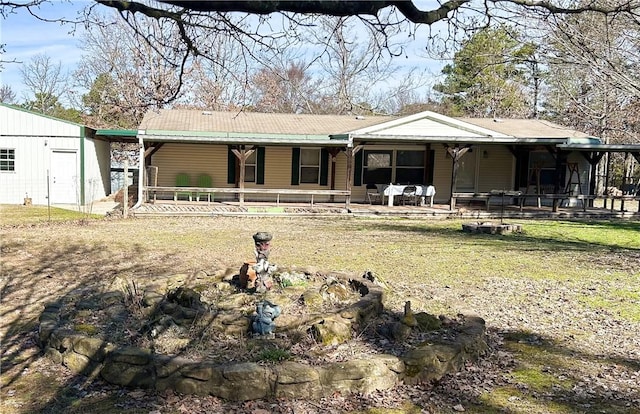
(309, 165)
(543, 163)
(377, 167)
(250, 168)
(7, 159)
(399, 166)
(410, 166)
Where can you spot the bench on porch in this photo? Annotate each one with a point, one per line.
(622, 199)
(153, 192)
(581, 197)
(486, 198)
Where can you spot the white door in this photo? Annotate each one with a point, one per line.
(64, 178)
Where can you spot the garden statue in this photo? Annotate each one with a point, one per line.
(262, 267)
(263, 322)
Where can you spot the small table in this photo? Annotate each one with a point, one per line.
(392, 190)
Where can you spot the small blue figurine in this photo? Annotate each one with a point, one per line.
(263, 322)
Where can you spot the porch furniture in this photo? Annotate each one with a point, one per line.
(182, 180)
(204, 181)
(409, 195)
(374, 196)
(487, 197)
(422, 191)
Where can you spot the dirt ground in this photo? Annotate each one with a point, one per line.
(562, 318)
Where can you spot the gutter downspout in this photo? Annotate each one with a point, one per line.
(140, 172)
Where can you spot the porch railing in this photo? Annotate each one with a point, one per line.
(153, 192)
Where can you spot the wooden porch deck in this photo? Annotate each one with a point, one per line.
(438, 211)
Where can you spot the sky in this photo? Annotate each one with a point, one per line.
(24, 37)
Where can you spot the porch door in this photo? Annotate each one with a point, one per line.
(63, 178)
(466, 179)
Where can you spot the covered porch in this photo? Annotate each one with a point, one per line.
(464, 210)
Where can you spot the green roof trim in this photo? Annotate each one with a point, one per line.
(117, 132)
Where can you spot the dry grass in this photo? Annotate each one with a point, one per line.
(574, 284)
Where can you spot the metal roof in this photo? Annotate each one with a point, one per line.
(267, 124)
(527, 128)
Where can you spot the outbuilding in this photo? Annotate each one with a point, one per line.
(44, 160)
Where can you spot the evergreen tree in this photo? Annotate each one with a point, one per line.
(487, 76)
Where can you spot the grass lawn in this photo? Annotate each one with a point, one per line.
(561, 300)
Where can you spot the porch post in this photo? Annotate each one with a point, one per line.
(351, 153)
(594, 159)
(333, 152)
(560, 162)
(455, 153)
(242, 154)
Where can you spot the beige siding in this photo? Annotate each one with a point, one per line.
(277, 171)
(441, 174)
(193, 159)
(496, 171)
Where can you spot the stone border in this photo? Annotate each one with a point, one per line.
(139, 367)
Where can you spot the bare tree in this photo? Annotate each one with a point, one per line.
(7, 95)
(45, 82)
(595, 73)
(287, 87)
(270, 25)
(350, 64)
(125, 73)
(219, 82)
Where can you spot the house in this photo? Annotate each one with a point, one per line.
(259, 153)
(266, 157)
(50, 161)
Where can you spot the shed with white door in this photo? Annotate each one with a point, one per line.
(49, 160)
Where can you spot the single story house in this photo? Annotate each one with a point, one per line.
(50, 161)
(259, 154)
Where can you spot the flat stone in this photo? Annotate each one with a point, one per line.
(294, 380)
(94, 348)
(243, 382)
(76, 362)
(358, 375)
(122, 373)
(131, 355)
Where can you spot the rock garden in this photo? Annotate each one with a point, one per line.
(256, 331)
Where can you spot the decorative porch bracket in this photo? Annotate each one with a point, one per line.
(351, 153)
(242, 153)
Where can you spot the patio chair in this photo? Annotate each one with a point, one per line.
(373, 195)
(204, 181)
(409, 195)
(182, 180)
